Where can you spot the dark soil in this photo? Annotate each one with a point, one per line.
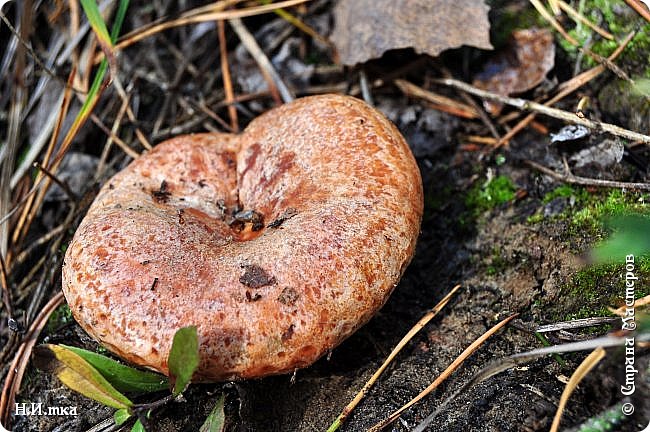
(506, 259)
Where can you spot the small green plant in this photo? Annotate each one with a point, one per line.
(106, 380)
(60, 317)
(495, 191)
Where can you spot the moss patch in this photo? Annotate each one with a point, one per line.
(599, 206)
(589, 210)
(618, 20)
(485, 196)
(591, 291)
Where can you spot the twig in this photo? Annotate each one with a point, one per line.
(440, 102)
(227, 82)
(578, 17)
(6, 292)
(637, 303)
(270, 75)
(527, 105)
(17, 369)
(578, 323)
(109, 141)
(112, 136)
(23, 255)
(414, 330)
(639, 8)
(37, 59)
(365, 88)
(443, 376)
(568, 177)
(567, 88)
(63, 185)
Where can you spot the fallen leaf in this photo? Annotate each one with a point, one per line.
(520, 66)
(78, 375)
(365, 29)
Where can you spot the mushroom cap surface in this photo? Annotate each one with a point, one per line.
(276, 243)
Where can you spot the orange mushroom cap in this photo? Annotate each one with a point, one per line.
(276, 243)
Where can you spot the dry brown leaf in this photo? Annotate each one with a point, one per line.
(365, 29)
(521, 66)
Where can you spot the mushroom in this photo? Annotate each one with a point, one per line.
(277, 243)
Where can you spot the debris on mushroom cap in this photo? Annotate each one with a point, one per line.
(158, 250)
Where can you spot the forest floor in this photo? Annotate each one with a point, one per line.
(516, 239)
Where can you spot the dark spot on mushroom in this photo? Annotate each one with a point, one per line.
(288, 333)
(288, 214)
(145, 262)
(154, 284)
(288, 296)
(249, 216)
(180, 212)
(252, 298)
(111, 186)
(162, 194)
(202, 183)
(256, 277)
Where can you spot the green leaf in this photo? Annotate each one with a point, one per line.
(79, 375)
(97, 85)
(217, 419)
(96, 22)
(183, 358)
(123, 378)
(631, 237)
(137, 427)
(119, 19)
(121, 415)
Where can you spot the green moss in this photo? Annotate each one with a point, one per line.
(599, 206)
(564, 191)
(618, 20)
(485, 196)
(596, 288)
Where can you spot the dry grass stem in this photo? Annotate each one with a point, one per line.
(206, 15)
(440, 102)
(582, 370)
(21, 358)
(275, 83)
(444, 375)
(402, 343)
(578, 17)
(227, 81)
(568, 177)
